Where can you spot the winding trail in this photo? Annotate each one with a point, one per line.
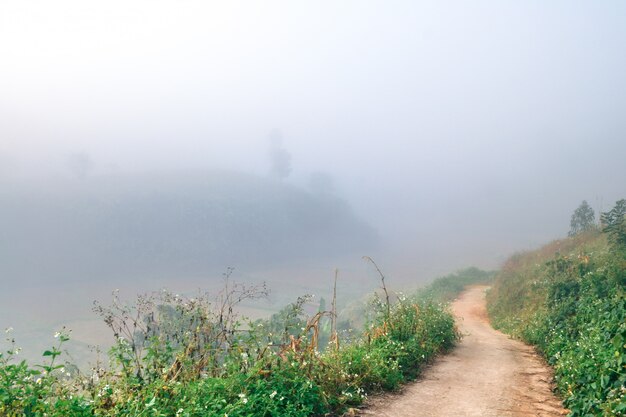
(486, 375)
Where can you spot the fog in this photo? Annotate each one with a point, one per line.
(428, 135)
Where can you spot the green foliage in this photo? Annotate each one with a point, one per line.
(287, 322)
(614, 225)
(447, 288)
(583, 219)
(42, 390)
(573, 308)
(192, 357)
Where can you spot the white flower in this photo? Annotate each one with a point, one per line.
(57, 334)
(8, 330)
(273, 394)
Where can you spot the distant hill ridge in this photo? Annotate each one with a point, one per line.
(182, 222)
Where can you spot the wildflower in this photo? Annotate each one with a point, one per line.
(8, 330)
(273, 394)
(57, 334)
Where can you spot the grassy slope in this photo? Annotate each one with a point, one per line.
(568, 299)
(447, 288)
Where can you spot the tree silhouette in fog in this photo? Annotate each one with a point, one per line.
(582, 220)
(79, 164)
(280, 158)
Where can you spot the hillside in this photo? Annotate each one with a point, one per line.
(569, 299)
(170, 224)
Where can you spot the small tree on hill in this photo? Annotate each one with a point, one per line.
(614, 224)
(582, 220)
(280, 158)
(80, 164)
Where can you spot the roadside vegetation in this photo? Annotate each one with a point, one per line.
(196, 356)
(569, 299)
(447, 288)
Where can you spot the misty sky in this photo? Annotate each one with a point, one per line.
(450, 117)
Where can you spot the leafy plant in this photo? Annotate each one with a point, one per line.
(42, 390)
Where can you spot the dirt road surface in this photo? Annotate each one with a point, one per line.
(486, 375)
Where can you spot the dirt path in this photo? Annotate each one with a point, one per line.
(488, 374)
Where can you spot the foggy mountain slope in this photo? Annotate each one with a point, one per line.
(169, 223)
